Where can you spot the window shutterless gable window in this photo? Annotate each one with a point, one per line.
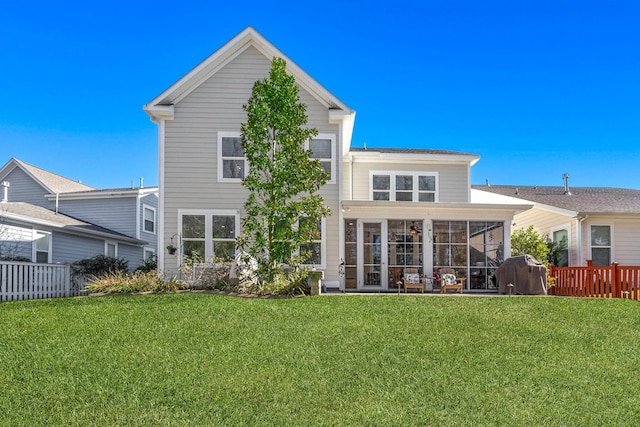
(149, 219)
(404, 186)
(209, 233)
(323, 148)
(232, 162)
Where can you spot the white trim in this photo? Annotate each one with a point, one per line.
(334, 154)
(221, 178)
(144, 219)
(415, 190)
(161, 235)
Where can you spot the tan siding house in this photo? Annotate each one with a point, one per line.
(392, 209)
(600, 224)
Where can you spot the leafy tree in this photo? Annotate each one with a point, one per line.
(283, 209)
(530, 242)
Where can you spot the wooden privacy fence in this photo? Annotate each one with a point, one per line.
(612, 281)
(26, 280)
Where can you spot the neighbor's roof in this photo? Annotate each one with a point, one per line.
(29, 213)
(582, 199)
(52, 182)
(410, 151)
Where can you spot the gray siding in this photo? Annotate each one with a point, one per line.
(117, 214)
(190, 169)
(68, 248)
(24, 189)
(133, 254)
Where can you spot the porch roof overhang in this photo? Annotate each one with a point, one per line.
(386, 206)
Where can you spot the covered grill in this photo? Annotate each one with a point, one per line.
(527, 275)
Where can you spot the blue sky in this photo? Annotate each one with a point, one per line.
(536, 88)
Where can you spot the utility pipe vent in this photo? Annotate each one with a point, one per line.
(565, 177)
(5, 191)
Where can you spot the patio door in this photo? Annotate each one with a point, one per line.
(373, 251)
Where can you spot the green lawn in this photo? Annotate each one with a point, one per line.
(207, 359)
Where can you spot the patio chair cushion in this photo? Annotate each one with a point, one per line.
(448, 279)
(412, 278)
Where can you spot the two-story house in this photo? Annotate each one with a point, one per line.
(391, 208)
(48, 218)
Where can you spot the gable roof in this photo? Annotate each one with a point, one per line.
(32, 214)
(582, 199)
(160, 107)
(52, 182)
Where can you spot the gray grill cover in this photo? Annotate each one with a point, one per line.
(528, 276)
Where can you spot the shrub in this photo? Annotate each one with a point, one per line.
(293, 282)
(99, 265)
(150, 264)
(120, 282)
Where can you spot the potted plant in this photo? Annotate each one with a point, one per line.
(172, 249)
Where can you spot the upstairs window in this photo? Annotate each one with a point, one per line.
(232, 162)
(149, 219)
(404, 186)
(323, 149)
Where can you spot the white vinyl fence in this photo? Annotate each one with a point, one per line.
(26, 280)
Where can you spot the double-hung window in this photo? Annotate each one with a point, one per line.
(601, 244)
(323, 149)
(206, 234)
(232, 162)
(312, 252)
(560, 238)
(149, 219)
(404, 186)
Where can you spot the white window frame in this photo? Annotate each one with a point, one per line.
(611, 243)
(34, 246)
(150, 251)
(323, 246)
(106, 247)
(221, 177)
(562, 227)
(332, 137)
(415, 189)
(144, 219)
(208, 226)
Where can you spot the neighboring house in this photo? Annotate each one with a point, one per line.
(598, 224)
(49, 218)
(391, 208)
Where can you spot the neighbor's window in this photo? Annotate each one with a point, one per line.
(561, 239)
(111, 249)
(149, 219)
(601, 244)
(42, 245)
(232, 162)
(404, 186)
(323, 149)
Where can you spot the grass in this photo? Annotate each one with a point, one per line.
(207, 359)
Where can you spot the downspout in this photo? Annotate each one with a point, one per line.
(580, 248)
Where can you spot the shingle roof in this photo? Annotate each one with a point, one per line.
(55, 183)
(409, 151)
(582, 199)
(38, 213)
